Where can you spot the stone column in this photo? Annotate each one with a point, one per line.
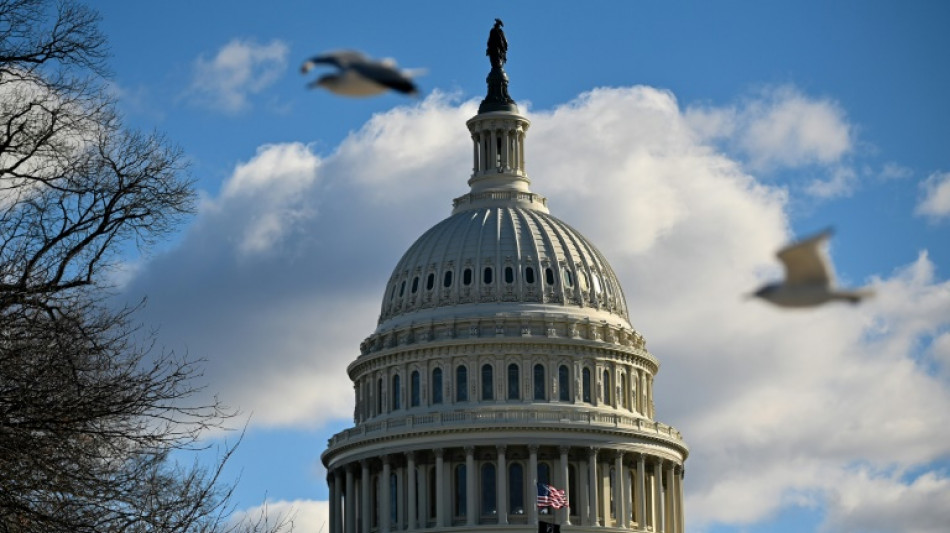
(400, 498)
(566, 486)
(471, 511)
(583, 489)
(533, 477)
(411, 489)
(422, 500)
(660, 525)
(504, 149)
(641, 492)
(680, 514)
(350, 503)
(620, 496)
(439, 488)
(336, 503)
(365, 507)
(594, 481)
(493, 150)
(475, 143)
(501, 487)
(385, 510)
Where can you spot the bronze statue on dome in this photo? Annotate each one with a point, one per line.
(497, 51)
(497, 98)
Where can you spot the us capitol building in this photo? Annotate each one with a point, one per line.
(504, 357)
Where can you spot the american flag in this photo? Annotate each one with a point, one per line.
(549, 496)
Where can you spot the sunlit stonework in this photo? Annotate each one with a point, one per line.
(504, 357)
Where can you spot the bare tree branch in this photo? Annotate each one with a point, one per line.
(90, 410)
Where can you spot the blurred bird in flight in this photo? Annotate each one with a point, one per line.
(809, 278)
(358, 75)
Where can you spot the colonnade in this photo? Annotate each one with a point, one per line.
(496, 485)
(498, 149)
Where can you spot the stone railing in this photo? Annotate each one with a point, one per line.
(497, 418)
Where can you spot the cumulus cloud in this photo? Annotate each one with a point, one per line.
(305, 516)
(240, 68)
(281, 276)
(781, 128)
(936, 201)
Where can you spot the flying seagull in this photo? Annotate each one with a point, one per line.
(809, 278)
(359, 75)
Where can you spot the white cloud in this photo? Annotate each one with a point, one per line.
(777, 406)
(841, 182)
(304, 516)
(893, 171)
(779, 127)
(238, 70)
(866, 501)
(936, 201)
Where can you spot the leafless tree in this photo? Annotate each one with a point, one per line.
(90, 411)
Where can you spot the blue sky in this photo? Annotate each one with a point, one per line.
(689, 140)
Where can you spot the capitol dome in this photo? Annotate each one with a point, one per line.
(504, 365)
(501, 257)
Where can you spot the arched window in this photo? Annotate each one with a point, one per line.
(563, 384)
(633, 391)
(396, 394)
(544, 473)
(516, 488)
(379, 396)
(529, 275)
(487, 383)
(487, 276)
(460, 502)
(585, 385)
(509, 274)
(514, 390)
(539, 382)
(568, 278)
(461, 384)
(414, 389)
(467, 276)
(607, 395)
(488, 489)
(623, 391)
(549, 276)
(436, 386)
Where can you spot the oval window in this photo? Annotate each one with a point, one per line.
(509, 275)
(415, 284)
(528, 275)
(447, 279)
(549, 276)
(467, 276)
(430, 281)
(487, 276)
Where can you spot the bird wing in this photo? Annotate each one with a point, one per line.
(806, 261)
(386, 75)
(340, 59)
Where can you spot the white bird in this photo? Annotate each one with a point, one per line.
(809, 278)
(358, 75)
